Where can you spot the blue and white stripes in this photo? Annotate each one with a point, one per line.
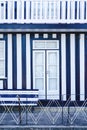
(73, 62)
(18, 61)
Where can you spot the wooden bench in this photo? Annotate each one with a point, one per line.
(18, 97)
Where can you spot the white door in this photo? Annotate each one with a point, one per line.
(46, 73)
(39, 72)
(52, 74)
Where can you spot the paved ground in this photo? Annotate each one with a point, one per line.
(44, 116)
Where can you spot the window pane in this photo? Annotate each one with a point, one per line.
(52, 58)
(39, 45)
(2, 58)
(46, 44)
(39, 83)
(39, 58)
(39, 71)
(1, 50)
(52, 84)
(52, 45)
(52, 71)
(2, 68)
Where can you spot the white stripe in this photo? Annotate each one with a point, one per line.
(17, 104)
(82, 71)
(21, 92)
(1, 35)
(28, 64)
(14, 99)
(72, 61)
(1, 84)
(10, 84)
(63, 65)
(19, 62)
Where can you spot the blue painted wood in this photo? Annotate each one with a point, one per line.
(68, 83)
(14, 59)
(23, 61)
(11, 97)
(77, 66)
(85, 65)
(43, 26)
(6, 60)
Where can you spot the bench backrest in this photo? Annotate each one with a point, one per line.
(18, 97)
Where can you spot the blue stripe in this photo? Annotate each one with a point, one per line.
(85, 65)
(6, 12)
(31, 59)
(24, 9)
(24, 61)
(60, 91)
(68, 92)
(6, 57)
(15, 12)
(77, 66)
(43, 26)
(14, 60)
(19, 95)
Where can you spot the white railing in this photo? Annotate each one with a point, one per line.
(43, 11)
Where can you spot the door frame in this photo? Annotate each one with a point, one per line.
(45, 50)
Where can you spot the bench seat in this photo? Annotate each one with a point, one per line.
(18, 97)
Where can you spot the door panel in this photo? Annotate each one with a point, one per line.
(53, 75)
(46, 73)
(39, 72)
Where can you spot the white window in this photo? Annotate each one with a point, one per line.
(2, 59)
(46, 44)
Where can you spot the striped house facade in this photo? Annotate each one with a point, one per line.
(53, 62)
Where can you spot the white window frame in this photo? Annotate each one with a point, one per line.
(45, 41)
(3, 76)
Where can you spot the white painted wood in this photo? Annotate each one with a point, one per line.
(45, 10)
(10, 83)
(53, 89)
(72, 67)
(54, 35)
(73, 10)
(2, 59)
(82, 67)
(68, 11)
(4, 7)
(41, 5)
(1, 35)
(18, 10)
(19, 62)
(82, 10)
(9, 10)
(38, 73)
(22, 10)
(45, 35)
(16, 98)
(1, 84)
(32, 10)
(63, 66)
(78, 10)
(63, 11)
(19, 92)
(36, 35)
(28, 62)
(49, 9)
(27, 10)
(13, 10)
(0, 11)
(58, 10)
(35, 10)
